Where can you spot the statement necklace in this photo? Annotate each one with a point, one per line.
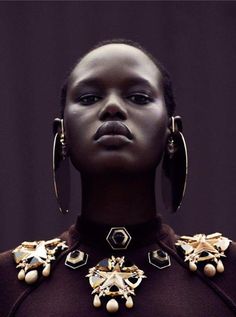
(204, 251)
(115, 279)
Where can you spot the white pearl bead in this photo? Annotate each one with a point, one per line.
(112, 306)
(192, 266)
(21, 275)
(209, 270)
(220, 267)
(31, 277)
(96, 301)
(46, 270)
(129, 303)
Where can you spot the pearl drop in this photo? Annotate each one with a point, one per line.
(209, 270)
(112, 306)
(223, 243)
(129, 303)
(21, 275)
(192, 266)
(96, 301)
(220, 267)
(46, 270)
(31, 277)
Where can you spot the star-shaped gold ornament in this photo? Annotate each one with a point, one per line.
(114, 277)
(31, 257)
(204, 248)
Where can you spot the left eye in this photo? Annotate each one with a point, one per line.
(88, 99)
(140, 98)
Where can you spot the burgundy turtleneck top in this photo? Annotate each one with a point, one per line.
(170, 292)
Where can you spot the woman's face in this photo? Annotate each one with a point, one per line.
(115, 115)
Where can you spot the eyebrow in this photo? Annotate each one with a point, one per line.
(130, 81)
(87, 82)
(138, 81)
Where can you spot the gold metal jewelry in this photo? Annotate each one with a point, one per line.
(61, 167)
(34, 257)
(174, 166)
(62, 141)
(118, 238)
(206, 250)
(159, 259)
(114, 277)
(75, 259)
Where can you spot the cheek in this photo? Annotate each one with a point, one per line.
(76, 135)
(78, 124)
(153, 136)
(156, 145)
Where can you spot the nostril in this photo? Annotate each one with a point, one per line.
(113, 111)
(112, 116)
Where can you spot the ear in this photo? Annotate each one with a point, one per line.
(56, 127)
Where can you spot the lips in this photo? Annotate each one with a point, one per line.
(113, 128)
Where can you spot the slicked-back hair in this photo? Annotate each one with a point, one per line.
(165, 77)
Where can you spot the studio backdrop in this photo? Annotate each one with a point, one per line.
(40, 42)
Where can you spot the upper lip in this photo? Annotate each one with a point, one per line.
(113, 128)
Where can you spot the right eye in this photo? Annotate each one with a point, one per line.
(88, 99)
(140, 98)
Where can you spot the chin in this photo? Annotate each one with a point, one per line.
(116, 167)
(115, 161)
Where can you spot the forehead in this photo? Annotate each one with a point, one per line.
(113, 62)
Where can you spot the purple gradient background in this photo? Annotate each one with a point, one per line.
(39, 43)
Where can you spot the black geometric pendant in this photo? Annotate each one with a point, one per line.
(159, 258)
(118, 238)
(76, 259)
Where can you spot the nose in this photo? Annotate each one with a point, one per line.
(113, 109)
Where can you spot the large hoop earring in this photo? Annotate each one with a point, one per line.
(61, 167)
(174, 166)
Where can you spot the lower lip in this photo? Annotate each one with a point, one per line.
(113, 140)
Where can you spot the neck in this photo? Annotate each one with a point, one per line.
(119, 199)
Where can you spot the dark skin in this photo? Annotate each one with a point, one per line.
(116, 84)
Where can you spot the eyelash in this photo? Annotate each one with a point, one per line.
(86, 99)
(140, 98)
(136, 98)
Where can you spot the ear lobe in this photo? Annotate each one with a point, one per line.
(56, 127)
(175, 124)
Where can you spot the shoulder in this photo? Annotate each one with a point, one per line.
(7, 266)
(230, 263)
(232, 250)
(8, 282)
(23, 266)
(5, 258)
(203, 249)
(213, 256)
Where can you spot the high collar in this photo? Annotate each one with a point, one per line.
(94, 234)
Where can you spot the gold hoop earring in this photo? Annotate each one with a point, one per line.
(61, 167)
(174, 166)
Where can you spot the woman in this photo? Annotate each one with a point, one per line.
(117, 123)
